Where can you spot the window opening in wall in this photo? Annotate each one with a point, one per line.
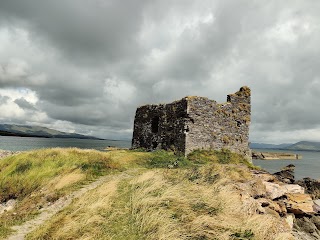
(141, 140)
(154, 145)
(155, 125)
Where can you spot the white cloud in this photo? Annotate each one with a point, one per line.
(290, 30)
(119, 91)
(12, 111)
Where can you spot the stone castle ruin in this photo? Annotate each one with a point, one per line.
(195, 123)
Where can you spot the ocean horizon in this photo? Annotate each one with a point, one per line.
(30, 143)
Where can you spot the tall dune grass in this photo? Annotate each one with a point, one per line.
(39, 177)
(164, 197)
(22, 174)
(166, 204)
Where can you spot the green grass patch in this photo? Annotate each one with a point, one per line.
(243, 235)
(204, 208)
(4, 231)
(166, 159)
(121, 223)
(224, 156)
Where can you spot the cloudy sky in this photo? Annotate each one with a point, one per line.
(84, 66)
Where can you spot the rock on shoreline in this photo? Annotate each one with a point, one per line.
(5, 153)
(312, 187)
(295, 201)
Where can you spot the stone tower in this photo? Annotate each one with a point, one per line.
(195, 123)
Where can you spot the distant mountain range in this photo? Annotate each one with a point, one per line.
(305, 145)
(270, 146)
(299, 146)
(36, 131)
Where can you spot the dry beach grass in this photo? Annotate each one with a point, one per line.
(141, 198)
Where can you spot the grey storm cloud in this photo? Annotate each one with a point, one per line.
(86, 33)
(3, 99)
(90, 64)
(24, 104)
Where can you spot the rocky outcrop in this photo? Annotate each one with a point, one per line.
(269, 206)
(317, 205)
(295, 202)
(286, 174)
(299, 204)
(277, 190)
(307, 228)
(7, 206)
(312, 187)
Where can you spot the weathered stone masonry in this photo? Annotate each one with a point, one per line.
(195, 123)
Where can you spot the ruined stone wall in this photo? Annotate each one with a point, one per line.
(160, 126)
(195, 123)
(217, 126)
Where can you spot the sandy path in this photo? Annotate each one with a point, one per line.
(48, 212)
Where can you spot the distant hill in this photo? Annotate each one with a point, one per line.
(299, 146)
(305, 145)
(37, 131)
(269, 146)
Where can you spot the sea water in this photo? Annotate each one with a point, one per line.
(308, 166)
(30, 143)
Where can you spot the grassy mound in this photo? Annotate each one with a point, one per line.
(151, 195)
(189, 203)
(224, 156)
